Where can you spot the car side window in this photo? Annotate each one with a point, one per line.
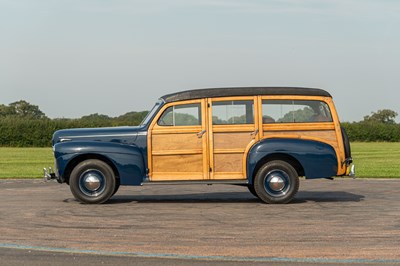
(295, 111)
(233, 112)
(181, 115)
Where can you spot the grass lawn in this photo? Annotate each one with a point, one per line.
(24, 162)
(378, 159)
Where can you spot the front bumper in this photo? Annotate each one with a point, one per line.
(50, 175)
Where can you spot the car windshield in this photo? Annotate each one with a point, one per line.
(146, 120)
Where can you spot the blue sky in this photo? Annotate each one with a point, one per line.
(74, 58)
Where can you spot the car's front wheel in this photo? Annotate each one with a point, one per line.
(92, 181)
(276, 182)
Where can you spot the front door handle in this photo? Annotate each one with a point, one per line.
(200, 134)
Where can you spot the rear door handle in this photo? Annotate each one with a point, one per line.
(254, 133)
(200, 134)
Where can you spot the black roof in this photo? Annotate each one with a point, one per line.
(242, 91)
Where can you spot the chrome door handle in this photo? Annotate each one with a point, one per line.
(254, 133)
(200, 134)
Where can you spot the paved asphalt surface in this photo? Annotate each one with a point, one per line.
(330, 222)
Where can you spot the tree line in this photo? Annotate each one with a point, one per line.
(379, 126)
(24, 125)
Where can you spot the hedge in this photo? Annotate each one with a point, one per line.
(22, 132)
(372, 131)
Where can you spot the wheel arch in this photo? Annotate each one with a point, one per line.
(278, 157)
(126, 161)
(310, 158)
(83, 157)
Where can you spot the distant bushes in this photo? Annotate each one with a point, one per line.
(18, 131)
(22, 132)
(372, 131)
(25, 125)
(378, 126)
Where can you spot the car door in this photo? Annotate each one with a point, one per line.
(178, 143)
(233, 129)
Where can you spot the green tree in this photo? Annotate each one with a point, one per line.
(300, 115)
(385, 116)
(95, 120)
(96, 117)
(131, 118)
(5, 110)
(26, 110)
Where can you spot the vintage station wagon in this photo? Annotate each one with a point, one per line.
(263, 138)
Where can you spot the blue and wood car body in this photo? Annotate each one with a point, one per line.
(264, 138)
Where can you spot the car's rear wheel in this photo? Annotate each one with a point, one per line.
(276, 182)
(92, 181)
(252, 190)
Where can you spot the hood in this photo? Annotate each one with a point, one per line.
(125, 135)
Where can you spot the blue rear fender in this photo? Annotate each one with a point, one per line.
(312, 159)
(126, 160)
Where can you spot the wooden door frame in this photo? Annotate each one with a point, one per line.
(154, 129)
(234, 128)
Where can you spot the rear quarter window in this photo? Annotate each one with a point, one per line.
(295, 111)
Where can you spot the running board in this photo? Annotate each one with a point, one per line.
(197, 182)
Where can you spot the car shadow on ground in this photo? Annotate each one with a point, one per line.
(327, 196)
(236, 197)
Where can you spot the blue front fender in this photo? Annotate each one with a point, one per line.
(127, 160)
(317, 159)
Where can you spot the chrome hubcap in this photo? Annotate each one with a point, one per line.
(277, 183)
(92, 183)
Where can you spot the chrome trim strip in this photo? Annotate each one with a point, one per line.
(101, 136)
